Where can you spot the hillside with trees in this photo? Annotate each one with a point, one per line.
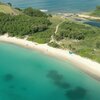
(79, 38)
(34, 12)
(96, 12)
(8, 9)
(28, 22)
(40, 27)
(22, 25)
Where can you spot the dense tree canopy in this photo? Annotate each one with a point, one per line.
(73, 30)
(34, 12)
(21, 25)
(78, 37)
(96, 12)
(10, 4)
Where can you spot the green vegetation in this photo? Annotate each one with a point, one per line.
(80, 38)
(40, 27)
(54, 44)
(42, 37)
(45, 36)
(34, 12)
(22, 25)
(34, 23)
(74, 30)
(9, 4)
(96, 12)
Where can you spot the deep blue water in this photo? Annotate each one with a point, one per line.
(57, 5)
(31, 75)
(93, 23)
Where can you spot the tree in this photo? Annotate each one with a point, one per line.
(10, 4)
(98, 7)
(34, 12)
(98, 44)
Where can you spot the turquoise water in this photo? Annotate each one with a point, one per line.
(57, 5)
(31, 75)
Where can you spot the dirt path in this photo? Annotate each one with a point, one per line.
(57, 27)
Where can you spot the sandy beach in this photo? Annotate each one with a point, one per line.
(90, 67)
(88, 17)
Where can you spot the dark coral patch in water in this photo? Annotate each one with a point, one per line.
(8, 77)
(54, 75)
(58, 79)
(77, 94)
(62, 84)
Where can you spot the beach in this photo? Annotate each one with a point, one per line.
(90, 67)
(88, 16)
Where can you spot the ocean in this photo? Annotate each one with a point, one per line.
(93, 23)
(27, 74)
(57, 5)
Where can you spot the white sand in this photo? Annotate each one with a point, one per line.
(90, 67)
(89, 17)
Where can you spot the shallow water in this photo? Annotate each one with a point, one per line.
(57, 5)
(31, 75)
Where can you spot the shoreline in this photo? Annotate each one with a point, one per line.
(86, 65)
(83, 15)
(88, 16)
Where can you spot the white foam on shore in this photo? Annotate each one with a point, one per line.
(43, 10)
(89, 17)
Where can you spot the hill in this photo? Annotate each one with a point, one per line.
(80, 38)
(96, 12)
(30, 22)
(5, 8)
(40, 27)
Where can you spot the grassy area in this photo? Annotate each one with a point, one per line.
(8, 10)
(55, 19)
(45, 36)
(82, 39)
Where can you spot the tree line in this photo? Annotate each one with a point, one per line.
(27, 23)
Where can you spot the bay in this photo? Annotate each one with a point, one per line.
(30, 75)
